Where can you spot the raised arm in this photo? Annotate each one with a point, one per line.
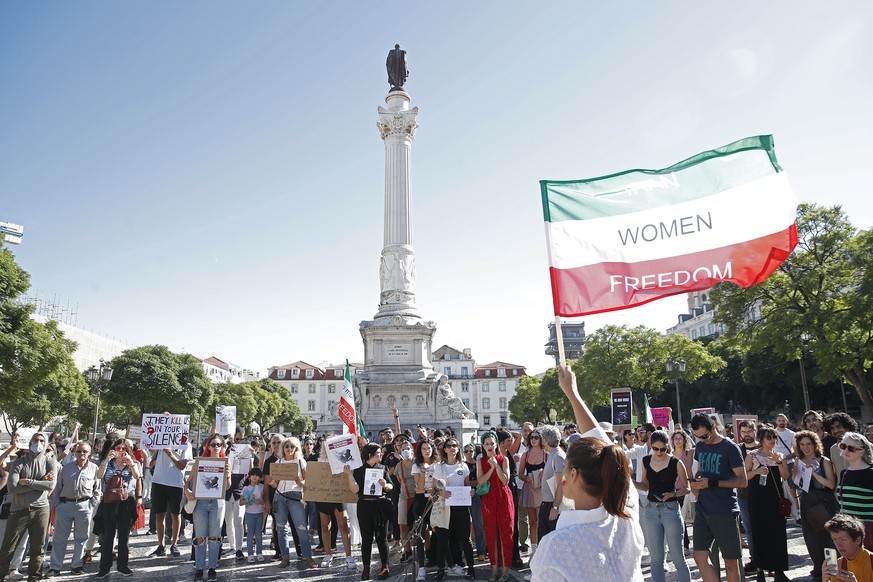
(396, 420)
(585, 421)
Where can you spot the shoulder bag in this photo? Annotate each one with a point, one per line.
(116, 489)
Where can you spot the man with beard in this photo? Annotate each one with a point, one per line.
(748, 443)
(785, 445)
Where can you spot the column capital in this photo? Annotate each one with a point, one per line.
(397, 122)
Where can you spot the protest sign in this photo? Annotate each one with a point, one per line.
(343, 450)
(461, 497)
(134, 432)
(738, 418)
(371, 481)
(621, 407)
(24, 436)
(164, 431)
(284, 471)
(225, 420)
(322, 485)
(662, 416)
(241, 458)
(708, 410)
(209, 480)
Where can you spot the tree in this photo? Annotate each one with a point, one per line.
(154, 379)
(818, 300)
(622, 357)
(30, 352)
(290, 417)
(527, 405)
(252, 402)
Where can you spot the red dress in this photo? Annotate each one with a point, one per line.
(498, 514)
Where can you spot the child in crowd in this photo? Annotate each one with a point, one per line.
(252, 499)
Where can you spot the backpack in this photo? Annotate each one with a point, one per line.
(116, 489)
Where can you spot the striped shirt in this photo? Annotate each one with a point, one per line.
(855, 493)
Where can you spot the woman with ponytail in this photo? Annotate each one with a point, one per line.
(606, 520)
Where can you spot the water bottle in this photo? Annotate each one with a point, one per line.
(762, 479)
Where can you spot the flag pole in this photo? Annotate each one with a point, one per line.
(562, 360)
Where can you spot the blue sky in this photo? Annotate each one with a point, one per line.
(209, 175)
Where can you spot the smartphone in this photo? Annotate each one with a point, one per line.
(831, 559)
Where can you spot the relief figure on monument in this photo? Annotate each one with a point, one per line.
(377, 400)
(404, 401)
(452, 405)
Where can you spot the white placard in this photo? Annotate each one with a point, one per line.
(805, 475)
(134, 432)
(240, 458)
(460, 497)
(24, 436)
(225, 420)
(164, 431)
(343, 450)
(371, 481)
(209, 481)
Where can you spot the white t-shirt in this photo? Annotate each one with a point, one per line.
(787, 436)
(287, 486)
(166, 472)
(453, 475)
(428, 475)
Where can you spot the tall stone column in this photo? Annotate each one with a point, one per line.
(397, 124)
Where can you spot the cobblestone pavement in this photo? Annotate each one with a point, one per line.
(169, 569)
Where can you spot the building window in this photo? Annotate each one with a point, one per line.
(486, 386)
(295, 373)
(515, 371)
(501, 386)
(338, 373)
(486, 404)
(503, 420)
(312, 388)
(466, 402)
(280, 374)
(331, 388)
(486, 420)
(503, 404)
(487, 372)
(501, 372)
(309, 374)
(311, 407)
(447, 371)
(465, 386)
(465, 371)
(694, 334)
(293, 388)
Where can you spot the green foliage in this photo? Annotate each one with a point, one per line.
(289, 415)
(526, 404)
(253, 403)
(822, 291)
(154, 379)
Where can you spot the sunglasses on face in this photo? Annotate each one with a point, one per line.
(450, 446)
(468, 451)
(292, 447)
(659, 449)
(214, 445)
(121, 449)
(534, 437)
(705, 436)
(850, 448)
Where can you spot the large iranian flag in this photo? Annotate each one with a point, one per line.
(352, 422)
(622, 240)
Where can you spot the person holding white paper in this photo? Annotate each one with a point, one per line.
(456, 538)
(817, 490)
(208, 516)
(371, 516)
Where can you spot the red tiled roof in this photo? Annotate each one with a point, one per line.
(480, 370)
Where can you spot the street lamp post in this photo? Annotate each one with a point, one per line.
(99, 377)
(805, 339)
(677, 367)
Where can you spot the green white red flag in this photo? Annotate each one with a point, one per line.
(623, 240)
(352, 422)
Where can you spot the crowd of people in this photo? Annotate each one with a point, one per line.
(560, 500)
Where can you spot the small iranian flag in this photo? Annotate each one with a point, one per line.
(647, 411)
(347, 412)
(623, 240)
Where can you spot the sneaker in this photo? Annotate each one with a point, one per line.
(126, 572)
(212, 574)
(251, 560)
(440, 575)
(260, 557)
(198, 575)
(422, 575)
(161, 551)
(79, 570)
(51, 573)
(284, 563)
(350, 563)
(325, 561)
(750, 568)
(456, 571)
(175, 551)
(240, 555)
(101, 575)
(523, 547)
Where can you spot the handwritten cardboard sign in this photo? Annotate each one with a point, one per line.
(324, 486)
(164, 431)
(285, 471)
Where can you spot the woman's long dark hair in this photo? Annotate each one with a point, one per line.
(419, 456)
(605, 472)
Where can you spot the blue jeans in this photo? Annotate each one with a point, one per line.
(208, 516)
(747, 522)
(291, 508)
(70, 516)
(312, 518)
(662, 520)
(254, 535)
(478, 525)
